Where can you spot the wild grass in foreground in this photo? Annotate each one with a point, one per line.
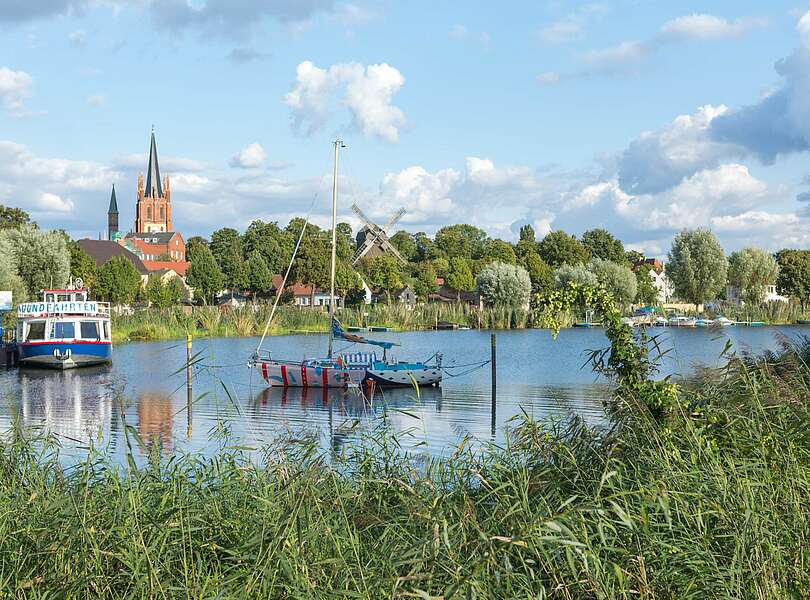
(707, 500)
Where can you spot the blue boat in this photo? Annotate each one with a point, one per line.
(64, 331)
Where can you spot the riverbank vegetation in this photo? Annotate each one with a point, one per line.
(697, 490)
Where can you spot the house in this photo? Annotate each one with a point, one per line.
(304, 296)
(231, 300)
(159, 250)
(103, 250)
(771, 295)
(445, 294)
(166, 275)
(404, 295)
(659, 278)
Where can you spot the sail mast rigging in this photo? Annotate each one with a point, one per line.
(338, 145)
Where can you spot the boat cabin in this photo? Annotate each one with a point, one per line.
(63, 315)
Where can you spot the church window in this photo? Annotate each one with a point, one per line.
(148, 213)
(162, 216)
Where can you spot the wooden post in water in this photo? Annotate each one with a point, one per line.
(188, 385)
(493, 361)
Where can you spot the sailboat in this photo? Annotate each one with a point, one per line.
(348, 369)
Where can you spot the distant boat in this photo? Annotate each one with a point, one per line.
(704, 322)
(802, 321)
(65, 330)
(681, 321)
(660, 321)
(723, 322)
(757, 324)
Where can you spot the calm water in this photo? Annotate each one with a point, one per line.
(536, 375)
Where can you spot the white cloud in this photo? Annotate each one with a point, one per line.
(15, 87)
(482, 171)
(52, 203)
(96, 100)
(548, 78)
(571, 28)
(425, 195)
(366, 91)
(617, 57)
(249, 157)
(707, 27)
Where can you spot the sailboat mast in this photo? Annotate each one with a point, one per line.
(338, 145)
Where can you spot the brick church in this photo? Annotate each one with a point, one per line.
(154, 239)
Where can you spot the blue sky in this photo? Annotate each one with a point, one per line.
(644, 117)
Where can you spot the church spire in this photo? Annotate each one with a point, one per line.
(153, 172)
(113, 210)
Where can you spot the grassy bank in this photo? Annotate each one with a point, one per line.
(707, 500)
(209, 321)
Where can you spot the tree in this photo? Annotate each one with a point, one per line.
(10, 281)
(204, 275)
(312, 265)
(618, 279)
(697, 266)
(82, 266)
(226, 246)
(14, 218)
(164, 294)
(501, 284)
(558, 248)
(406, 244)
(118, 281)
(193, 243)
(578, 274)
(459, 276)
(344, 249)
(751, 270)
(426, 248)
(601, 244)
(540, 274)
(461, 241)
(527, 234)
(347, 281)
(425, 281)
(384, 274)
(646, 292)
(794, 274)
(271, 242)
(260, 278)
(500, 251)
(41, 258)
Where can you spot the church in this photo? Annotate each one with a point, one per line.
(154, 239)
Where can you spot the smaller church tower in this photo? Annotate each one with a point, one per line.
(112, 218)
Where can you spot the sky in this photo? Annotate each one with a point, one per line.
(643, 117)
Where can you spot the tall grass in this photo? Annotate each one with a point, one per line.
(709, 501)
(153, 324)
(768, 312)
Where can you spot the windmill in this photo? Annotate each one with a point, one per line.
(376, 237)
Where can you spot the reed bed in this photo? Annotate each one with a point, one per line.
(708, 501)
(210, 321)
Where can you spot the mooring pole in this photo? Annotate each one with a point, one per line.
(494, 366)
(188, 384)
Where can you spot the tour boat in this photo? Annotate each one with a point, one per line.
(350, 369)
(64, 331)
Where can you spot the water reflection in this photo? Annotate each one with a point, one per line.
(156, 419)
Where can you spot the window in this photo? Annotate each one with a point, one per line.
(149, 213)
(63, 330)
(63, 297)
(36, 331)
(89, 330)
(106, 330)
(161, 213)
(48, 297)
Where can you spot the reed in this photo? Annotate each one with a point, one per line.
(708, 501)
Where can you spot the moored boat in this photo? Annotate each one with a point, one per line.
(64, 331)
(681, 321)
(723, 322)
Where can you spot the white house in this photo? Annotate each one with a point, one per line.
(771, 295)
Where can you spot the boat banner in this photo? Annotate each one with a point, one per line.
(37, 309)
(5, 301)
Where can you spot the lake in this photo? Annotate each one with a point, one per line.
(537, 375)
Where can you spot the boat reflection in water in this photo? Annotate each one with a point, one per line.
(156, 419)
(74, 404)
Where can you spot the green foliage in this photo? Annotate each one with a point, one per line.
(541, 275)
(226, 246)
(426, 248)
(260, 277)
(406, 244)
(192, 244)
(384, 273)
(118, 281)
(10, 280)
(601, 244)
(576, 274)
(82, 266)
(312, 265)
(500, 251)
(347, 281)
(558, 248)
(14, 218)
(424, 283)
(502, 284)
(794, 274)
(646, 292)
(751, 270)
(697, 266)
(41, 258)
(204, 275)
(459, 275)
(461, 241)
(617, 279)
(164, 295)
(527, 234)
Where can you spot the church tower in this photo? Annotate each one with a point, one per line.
(153, 211)
(112, 218)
